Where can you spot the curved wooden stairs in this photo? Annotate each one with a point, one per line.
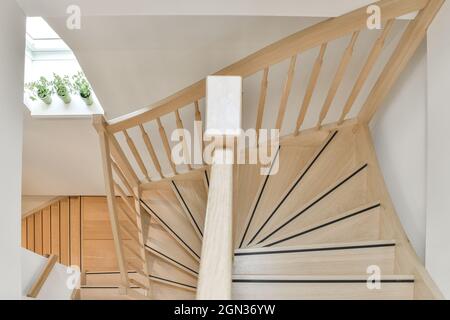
(316, 227)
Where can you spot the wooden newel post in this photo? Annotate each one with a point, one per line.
(223, 125)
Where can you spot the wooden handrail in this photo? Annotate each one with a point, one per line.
(37, 285)
(294, 44)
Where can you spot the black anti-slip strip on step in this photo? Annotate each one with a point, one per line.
(294, 186)
(106, 287)
(314, 203)
(259, 198)
(169, 258)
(187, 207)
(368, 246)
(324, 225)
(319, 281)
(106, 272)
(171, 281)
(207, 179)
(168, 227)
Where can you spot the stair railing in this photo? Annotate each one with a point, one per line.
(124, 166)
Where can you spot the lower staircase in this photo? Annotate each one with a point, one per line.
(321, 227)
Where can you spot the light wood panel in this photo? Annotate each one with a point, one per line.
(54, 230)
(75, 231)
(46, 231)
(396, 287)
(330, 259)
(30, 233)
(24, 242)
(64, 231)
(38, 232)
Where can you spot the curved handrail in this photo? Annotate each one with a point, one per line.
(301, 41)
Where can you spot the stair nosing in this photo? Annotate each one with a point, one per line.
(313, 248)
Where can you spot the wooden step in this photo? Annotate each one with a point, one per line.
(331, 259)
(105, 286)
(360, 224)
(263, 287)
(163, 205)
(101, 293)
(161, 269)
(292, 159)
(192, 196)
(163, 244)
(343, 195)
(106, 278)
(337, 160)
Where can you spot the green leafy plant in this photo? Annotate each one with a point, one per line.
(62, 87)
(41, 89)
(81, 85)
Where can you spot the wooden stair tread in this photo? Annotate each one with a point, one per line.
(314, 247)
(325, 225)
(331, 259)
(320, 278)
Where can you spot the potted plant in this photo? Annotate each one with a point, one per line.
(81, 85)
(41, 89)
(62, 87)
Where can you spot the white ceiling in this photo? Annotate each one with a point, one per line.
(303, 8)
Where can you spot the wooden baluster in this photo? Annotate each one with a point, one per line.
(121, 176)
(100, 126)
(338, 78)
(165, 141)
(408, 44)
(136, 155)
(261, 102)
(310, 89)
(151, 150)
(142, 240)
(285, 94)
(364, 74)
(198, 118)
(186, 149)
(125, 198)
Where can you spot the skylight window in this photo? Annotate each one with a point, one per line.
(43, 43)
(47, 57)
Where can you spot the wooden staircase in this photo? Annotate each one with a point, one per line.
(314, 229)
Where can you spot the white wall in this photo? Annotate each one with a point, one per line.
(438, 160)
(12, 49)
(399, 131)
(286, 8)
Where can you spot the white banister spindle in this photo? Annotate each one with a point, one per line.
(223, 124)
